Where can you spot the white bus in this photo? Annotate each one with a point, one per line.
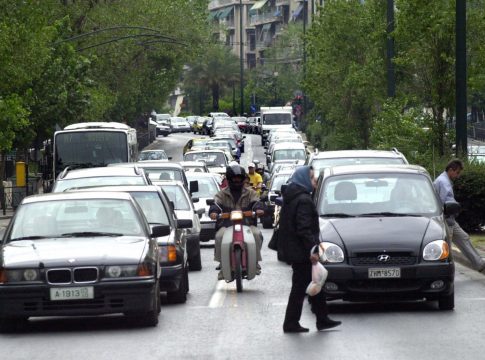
(93, 144)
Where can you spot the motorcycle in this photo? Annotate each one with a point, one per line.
(238, 248)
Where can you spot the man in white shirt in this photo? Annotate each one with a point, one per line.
(444, 187)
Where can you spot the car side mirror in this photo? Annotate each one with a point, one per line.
(160, 230)
(194, 186)
(172, 205)
(452, 208)
(279, 201)
(184, 224)
(273, 198)
(200, 212)
(195, 200)
(210, 202)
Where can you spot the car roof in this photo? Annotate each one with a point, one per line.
(192, 174)
(76, 195)
(99, 171)
(153, 150)
(204, 151)
(289, 146)
(121, 188)
(372, 168)
(192, 163)
(152, 164)
(168, 183)
(358, 153)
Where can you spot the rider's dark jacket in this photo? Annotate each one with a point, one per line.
(249, 200)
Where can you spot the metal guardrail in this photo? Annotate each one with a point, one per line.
(476, 131)
(11, 196)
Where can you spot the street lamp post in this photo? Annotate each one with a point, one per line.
(460, 75)
(241, 56)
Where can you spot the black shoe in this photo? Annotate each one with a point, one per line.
(295, 329)
(218, 267)
(327, 324)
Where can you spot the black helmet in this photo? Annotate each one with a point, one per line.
(233, 171)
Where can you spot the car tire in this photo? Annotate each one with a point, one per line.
(195, 261)
(150, 318)
(447, 302)
(10, 324)
(267, 222)
(180, 296)
(165, 135)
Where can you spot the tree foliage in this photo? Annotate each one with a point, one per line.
(345, 69)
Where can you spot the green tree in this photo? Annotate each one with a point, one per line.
(345, 70)
(214, 71)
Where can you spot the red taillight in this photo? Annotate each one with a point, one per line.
(3, 276)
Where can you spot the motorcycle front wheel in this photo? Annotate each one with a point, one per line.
(238, 269)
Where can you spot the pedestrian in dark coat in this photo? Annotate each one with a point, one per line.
(298, 234)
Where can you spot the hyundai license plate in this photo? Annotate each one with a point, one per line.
(72, 293)
(384, 273)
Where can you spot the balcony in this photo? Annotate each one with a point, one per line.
(268, 17)
(282, 2)
(228, 23)
(215, 4)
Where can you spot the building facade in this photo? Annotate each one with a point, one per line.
(262, 22)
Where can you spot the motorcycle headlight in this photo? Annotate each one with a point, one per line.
(116, 272)
(236, 215)
(331, 253)
(436, 250)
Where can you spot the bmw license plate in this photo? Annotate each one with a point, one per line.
(72, 293)
(384, 273)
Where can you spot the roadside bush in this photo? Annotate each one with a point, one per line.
(470, 193)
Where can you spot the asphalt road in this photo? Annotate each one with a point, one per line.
(219, 323)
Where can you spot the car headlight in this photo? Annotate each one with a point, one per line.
(117, 271)
(22, 275)
(331, 253)
(436, 250)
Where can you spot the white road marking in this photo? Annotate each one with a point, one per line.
(219, 295)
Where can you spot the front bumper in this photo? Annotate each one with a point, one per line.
(134, 296)
(353, 282)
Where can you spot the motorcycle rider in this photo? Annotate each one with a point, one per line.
(235, 197)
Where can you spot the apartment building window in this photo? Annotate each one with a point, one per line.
(251, 61)
(252, 40)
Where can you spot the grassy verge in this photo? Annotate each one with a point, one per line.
(478, 240)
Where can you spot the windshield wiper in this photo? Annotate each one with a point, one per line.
(90, 233)
(339, 215)
(387, 213)
(33, 237)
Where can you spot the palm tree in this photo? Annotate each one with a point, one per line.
(215, 71)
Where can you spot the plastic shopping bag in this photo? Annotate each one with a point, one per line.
(319, 275)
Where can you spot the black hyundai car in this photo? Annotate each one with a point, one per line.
(384, 235)
(84, 253)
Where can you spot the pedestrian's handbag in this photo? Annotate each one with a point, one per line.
(273, 243)
(319, 275)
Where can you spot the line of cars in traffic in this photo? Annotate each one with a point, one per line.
(107, 240)
(383, 232)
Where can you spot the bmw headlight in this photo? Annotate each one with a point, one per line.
(23, 275)
(331, 253)
(116, 272)
(436, 250)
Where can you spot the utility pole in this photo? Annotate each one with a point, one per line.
(460, 73)
(305, 19)
(391, 81)
(241, 56)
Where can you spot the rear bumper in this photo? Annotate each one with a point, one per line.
(109, 298)
(353, 282)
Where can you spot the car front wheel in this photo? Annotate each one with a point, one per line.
(180, 296)
(447, 302)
